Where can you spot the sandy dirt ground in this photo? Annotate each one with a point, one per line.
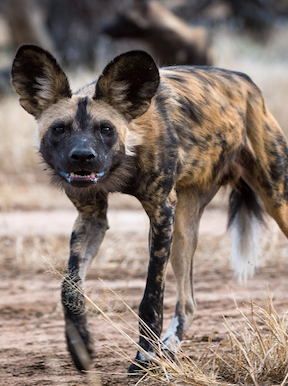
(33, 349)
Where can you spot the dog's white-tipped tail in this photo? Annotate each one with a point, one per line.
(245, 219)
(245, 250)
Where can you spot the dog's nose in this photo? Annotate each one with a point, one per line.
(82, 155)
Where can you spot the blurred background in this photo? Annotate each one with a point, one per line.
(244, 35)
(36, 219)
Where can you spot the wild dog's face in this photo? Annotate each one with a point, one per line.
(84, 137)
(82, 140)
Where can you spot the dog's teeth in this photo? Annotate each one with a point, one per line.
(92, 176)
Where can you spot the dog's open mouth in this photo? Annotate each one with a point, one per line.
(82, 176)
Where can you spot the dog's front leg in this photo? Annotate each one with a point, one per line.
(88, 233)
(151, 307)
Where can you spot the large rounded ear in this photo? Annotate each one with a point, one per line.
(128, 83)
(38, 79)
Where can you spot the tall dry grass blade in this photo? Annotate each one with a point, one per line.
(284, 380)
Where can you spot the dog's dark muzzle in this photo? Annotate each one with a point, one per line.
(84, 167)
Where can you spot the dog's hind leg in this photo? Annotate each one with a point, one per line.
(188, 213)
(88, 233)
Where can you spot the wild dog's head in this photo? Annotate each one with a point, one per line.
(84, 137)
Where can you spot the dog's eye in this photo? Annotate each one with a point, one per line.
(105, 130)
(59, 130)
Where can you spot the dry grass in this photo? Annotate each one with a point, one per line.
(129, 252)
(258, 347)
(30, 194)
(254, 352)
(238, 359)
(162, 369)
(27, 252)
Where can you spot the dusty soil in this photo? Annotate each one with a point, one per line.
(33, 350)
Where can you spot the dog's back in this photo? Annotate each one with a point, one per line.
(225, 135)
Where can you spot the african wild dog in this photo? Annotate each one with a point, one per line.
(171, 138)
